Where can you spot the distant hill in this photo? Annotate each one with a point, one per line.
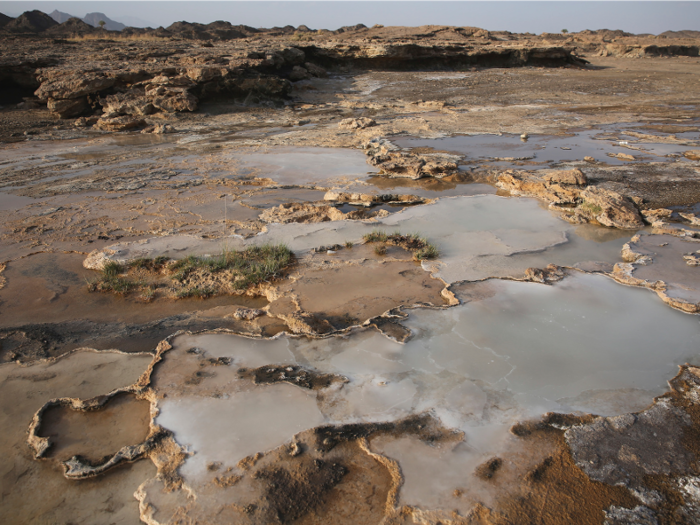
(687, 33)
(60, 17)
(4, 20)
(71, 27)
(94, 20)
(30, 22)
(218, 30)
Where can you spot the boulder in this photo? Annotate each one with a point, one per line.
(293, 56)
(68, 108)
(133, 103)
(175, 101)
(547, 187)
(74, 85)
(315, 71)
(609, 208)
(122, 123)
(392, 163)
(692, 154)
(298, 73)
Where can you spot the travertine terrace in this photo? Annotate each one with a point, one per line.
(386, 275)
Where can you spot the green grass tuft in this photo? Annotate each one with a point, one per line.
(249, 267)
(195, 292)
(412, 242)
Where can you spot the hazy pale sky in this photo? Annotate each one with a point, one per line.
(516, 16)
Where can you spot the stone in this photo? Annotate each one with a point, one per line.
(315, 71)
(203, 74)
(550, 274)
(67, 108)
(122, 123)
(692, 154)
(161, 129)
(656, 214)
(247, 314)
(299, 73)
(293, 56)
(83, 122)
(621, 156)
(357, 123)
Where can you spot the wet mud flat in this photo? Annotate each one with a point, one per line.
(486, 311)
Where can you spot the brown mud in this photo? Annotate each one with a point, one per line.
(96, 434)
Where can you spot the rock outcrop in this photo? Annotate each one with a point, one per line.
(394, 163)
(567, 190)
(366, 199)
(554, 186)
(609, 208)
(356, 123)
(309, 213)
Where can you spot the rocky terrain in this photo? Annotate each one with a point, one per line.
(380, 275)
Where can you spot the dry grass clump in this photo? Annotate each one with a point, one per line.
(116, 38)
(195, 276)
(412, 242)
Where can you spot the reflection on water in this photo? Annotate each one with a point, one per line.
(548, 148)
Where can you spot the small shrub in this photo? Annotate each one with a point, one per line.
(593, 209)
(349, 244)
(112, 269)
(375, 236)
(380, 249)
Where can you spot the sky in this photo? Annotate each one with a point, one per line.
(515, 16)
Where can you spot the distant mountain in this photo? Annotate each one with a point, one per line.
(30, 22)
(94, 20)
(60, 17)
(686, 33)
(132, 21)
